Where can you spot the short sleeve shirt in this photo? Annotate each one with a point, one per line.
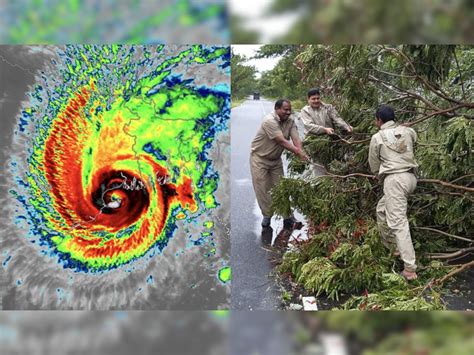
(263, 145)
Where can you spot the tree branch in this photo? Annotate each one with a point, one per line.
(436, 113)
(447, 184)
(399, 98)
(460, 75)
(444, 233)
(437, 92)
(407, 92)
(328, 174)
(391, 74)
(352, 175)
(459, 252)
(350, 142)
(373, 177)
(461, 177)
(454, 272)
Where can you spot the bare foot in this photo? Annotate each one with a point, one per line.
(409, 275)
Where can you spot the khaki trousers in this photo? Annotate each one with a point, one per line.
(392, 216)
(265, 175)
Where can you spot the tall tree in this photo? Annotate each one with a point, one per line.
(284, 80)
(243, 79)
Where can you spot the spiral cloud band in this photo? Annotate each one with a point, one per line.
(116, 155)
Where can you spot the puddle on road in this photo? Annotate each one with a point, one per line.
(277, 227)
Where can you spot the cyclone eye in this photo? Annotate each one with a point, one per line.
(120, 190)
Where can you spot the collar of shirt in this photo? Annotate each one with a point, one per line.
(389, 124)
(275, 116)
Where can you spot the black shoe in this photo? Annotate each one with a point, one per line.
(267, 235)
(266, 221)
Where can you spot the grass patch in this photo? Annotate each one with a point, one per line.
(236, 102)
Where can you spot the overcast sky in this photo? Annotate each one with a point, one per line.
(249, 50)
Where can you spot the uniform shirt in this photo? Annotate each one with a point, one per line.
(326, 116)
(391, 149)
(263, 145)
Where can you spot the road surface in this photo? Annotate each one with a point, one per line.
(252, 287)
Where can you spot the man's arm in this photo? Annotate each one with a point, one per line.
(309, 125)
(374, 160)
(292, 148)
(338, 121)
(273, 131)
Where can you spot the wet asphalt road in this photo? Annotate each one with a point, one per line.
(252, 288)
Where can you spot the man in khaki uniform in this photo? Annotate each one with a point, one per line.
(391, 156)
(321, 118)
(265, 158)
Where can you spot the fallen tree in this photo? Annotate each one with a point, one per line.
(431, 88)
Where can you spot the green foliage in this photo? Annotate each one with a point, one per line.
(276, 50)
(323, 199)
(284, 80)
(292, 263)
(344, 253)
(243, 78)
(286, 296)
(394, 299)
(431, 62)
(342, 261)
(318, 274)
